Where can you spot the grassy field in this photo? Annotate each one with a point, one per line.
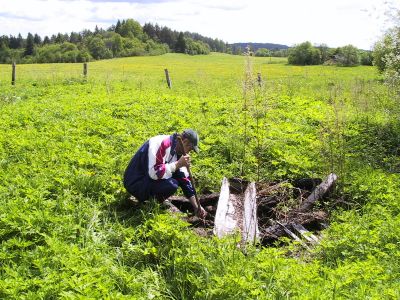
(66, 140)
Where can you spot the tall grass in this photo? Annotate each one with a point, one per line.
(65, 228)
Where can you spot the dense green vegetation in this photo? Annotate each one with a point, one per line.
(66, 233)
(347, 56)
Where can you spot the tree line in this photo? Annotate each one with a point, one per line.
(129, 38)
(307, 54)
(126, 38)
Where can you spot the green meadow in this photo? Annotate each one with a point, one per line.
(67, 233)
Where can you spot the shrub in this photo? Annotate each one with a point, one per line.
(304, 54)
(196, 47)
(56, 53)
(347, 56)
(366, 58)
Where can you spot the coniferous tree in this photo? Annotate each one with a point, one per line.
(29, 45)
(74, 38)
(168, 37)
(14, 43)
(37, 40)
(86, 34)
(158, 30)
(61, 38)
(53, 39)
(20, 41)
(180, 45)
(150, 30)
(46, 40)
(118, 27)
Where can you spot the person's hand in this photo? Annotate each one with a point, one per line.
(198, 209)
(201, 213)
(184, 161)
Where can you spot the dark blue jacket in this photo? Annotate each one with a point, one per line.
(137, 179)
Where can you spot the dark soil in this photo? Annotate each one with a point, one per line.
(278, 204)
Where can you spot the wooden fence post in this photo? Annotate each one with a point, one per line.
(13, 73)
(259, 79)
(167, 77)
(85, 69)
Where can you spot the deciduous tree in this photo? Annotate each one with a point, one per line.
(348, 56)
(304, 54)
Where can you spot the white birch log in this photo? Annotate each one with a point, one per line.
(224, 222)
(250, 231)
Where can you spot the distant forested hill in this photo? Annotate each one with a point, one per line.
(256, 46)
(261, 49)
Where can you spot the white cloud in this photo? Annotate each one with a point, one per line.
(336, 23)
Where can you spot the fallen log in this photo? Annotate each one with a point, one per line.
(319, 192)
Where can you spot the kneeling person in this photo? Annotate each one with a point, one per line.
(159, 167)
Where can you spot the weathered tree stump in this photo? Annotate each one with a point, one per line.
(237, 211)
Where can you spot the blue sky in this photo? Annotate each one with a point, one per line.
(333, 22)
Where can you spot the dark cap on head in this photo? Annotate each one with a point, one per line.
(193, 137)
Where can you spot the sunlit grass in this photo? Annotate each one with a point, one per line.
(65, 140)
